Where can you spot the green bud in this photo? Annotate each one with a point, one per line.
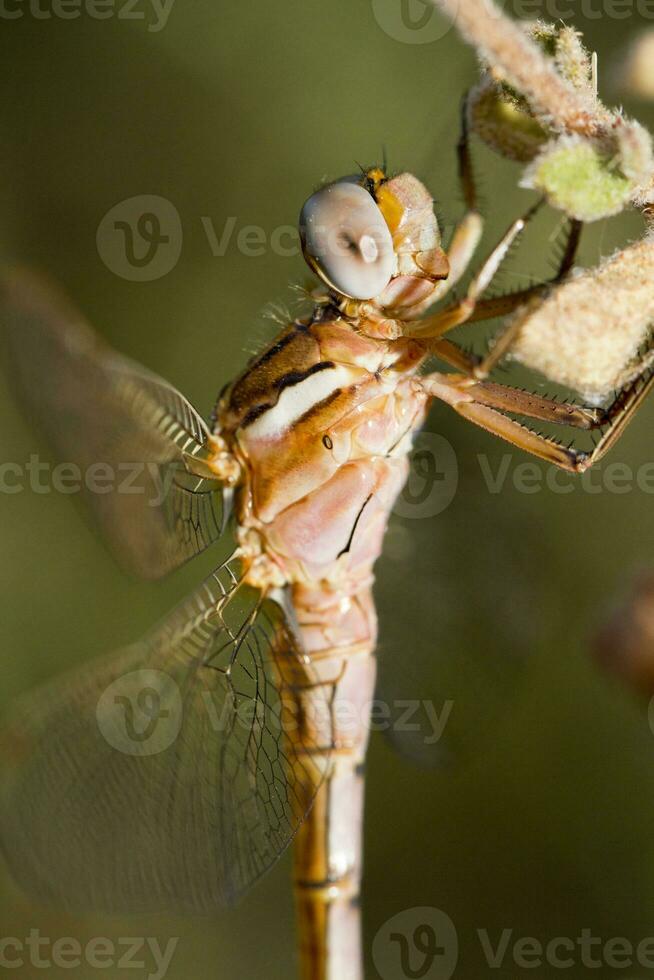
(580, 178)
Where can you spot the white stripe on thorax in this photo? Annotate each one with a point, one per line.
(297, 399)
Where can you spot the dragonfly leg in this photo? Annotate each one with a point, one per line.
(468, 232)
(519, 402)
(464, 159)
(461, 250)
(497, 306)
(460, 312)
(485, 404)
(481, 367)
(488, 309)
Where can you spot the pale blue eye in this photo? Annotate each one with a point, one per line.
(346, 240)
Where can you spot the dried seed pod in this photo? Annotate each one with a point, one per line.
(587, 333)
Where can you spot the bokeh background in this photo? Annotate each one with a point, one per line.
(534, 811)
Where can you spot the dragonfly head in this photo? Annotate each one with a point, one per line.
(374, 238)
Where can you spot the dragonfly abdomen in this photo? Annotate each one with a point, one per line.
(339, 633)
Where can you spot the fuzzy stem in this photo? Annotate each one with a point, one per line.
(502, 43)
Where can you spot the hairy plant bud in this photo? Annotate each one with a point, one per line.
(571, 57)
(590, 179)
(588, 332)
(580, 177)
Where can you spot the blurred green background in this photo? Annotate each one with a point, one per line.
(534, 812)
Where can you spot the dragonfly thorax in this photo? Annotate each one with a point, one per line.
(320, 424)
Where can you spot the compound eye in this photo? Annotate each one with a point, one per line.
(346, 240)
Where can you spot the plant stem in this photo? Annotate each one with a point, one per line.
(505, 45)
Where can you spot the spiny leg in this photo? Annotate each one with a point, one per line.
(488, 309)
(569, 256)
(473, 364)
(621, 411)
(506, 399)
(532, 406)
(461, 397)
(497, 306)
(507, 337)
(468, 232)
(461, 248)
(464, 160)
(460, 312)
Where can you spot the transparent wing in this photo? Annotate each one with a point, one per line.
(171, 775)
(139, 446)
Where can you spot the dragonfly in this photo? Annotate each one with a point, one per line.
(171, 775)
